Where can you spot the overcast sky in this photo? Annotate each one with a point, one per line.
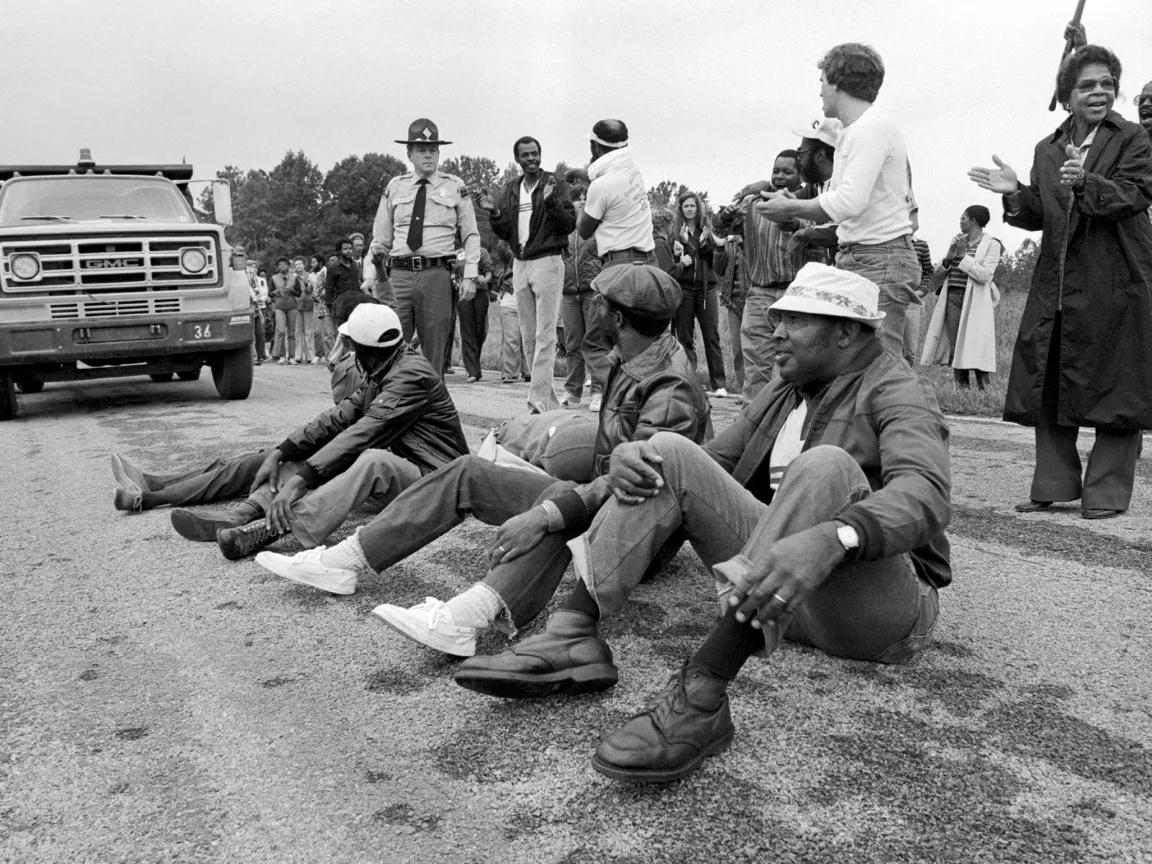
(709, 89)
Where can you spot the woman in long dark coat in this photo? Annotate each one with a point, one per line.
(1084, 353)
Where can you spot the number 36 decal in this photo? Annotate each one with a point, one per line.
(202, 331)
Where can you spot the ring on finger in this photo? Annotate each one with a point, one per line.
(781, 603)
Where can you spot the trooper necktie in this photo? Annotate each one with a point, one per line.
(416, 225)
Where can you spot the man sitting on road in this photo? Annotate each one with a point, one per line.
(397, 426)
(820, 510)
(650, 388)
(222, 479)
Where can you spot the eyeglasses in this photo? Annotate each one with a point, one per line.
(1107, 83)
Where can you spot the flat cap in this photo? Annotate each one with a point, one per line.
(646, 290)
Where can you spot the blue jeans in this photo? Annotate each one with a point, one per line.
(584, 343)
(865, 610)
(756, 338)
(894, 268)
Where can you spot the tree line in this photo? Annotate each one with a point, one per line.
(295, 209)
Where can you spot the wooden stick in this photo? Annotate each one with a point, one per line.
(1069, 46)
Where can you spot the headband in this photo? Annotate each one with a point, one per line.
(614, 145)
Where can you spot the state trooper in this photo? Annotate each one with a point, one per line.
(414, 236)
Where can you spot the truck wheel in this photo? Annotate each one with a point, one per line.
(232, 373)
(189, 375)
(8, 407)
(29, 384)
(161, 377)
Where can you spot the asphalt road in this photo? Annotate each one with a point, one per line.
(158, 703)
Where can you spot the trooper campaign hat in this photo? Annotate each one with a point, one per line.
(822, 290)
(825, 129)
(422, 131)
(648, 291)
(372, 325)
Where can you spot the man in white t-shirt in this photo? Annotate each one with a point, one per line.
(533, 214)
(870, 194)
(617, 210)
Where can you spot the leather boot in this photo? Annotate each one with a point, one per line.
(567, 657)
(686, 723)
(202, 525)
(243, 540)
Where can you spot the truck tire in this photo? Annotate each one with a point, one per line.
(189, 375)
(8, 407)
(232, 373)
(161, 377)
(29, 384)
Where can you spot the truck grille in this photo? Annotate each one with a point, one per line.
(111, 263)
(114, 308)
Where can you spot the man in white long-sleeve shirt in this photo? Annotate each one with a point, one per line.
(870, 195)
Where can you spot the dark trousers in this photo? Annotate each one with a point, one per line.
(473, 330)
(702, 305)
(425, 307)
(258, 333)
(1107, 482)
(584, 343)
(217, 481)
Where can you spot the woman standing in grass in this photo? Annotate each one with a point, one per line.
(962, 332)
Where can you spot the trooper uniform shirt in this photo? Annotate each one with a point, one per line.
(447, 206)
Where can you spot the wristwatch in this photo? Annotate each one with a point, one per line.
(847, 536)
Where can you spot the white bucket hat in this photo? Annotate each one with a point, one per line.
(373, 325)
(822, 290)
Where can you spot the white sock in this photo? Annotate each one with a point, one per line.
(477, 607)
(347, 554)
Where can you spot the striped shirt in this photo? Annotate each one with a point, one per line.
(957, 278)
(766, 256)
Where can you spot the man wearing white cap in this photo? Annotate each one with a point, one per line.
(398, 425)
(820, 510)
(870, 196)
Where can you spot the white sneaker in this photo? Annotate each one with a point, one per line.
(430, 623)
(719, 393)
(307, 569)
(594, 403)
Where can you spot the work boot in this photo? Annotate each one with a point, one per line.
(128, 498)
(243, 540)
(202, 525)
(129, 475)
(686, 723)
(567, 657)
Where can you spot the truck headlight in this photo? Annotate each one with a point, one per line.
(193, 259)
(25, 265)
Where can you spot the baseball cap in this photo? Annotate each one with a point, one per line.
(372, 325)
(826, 129)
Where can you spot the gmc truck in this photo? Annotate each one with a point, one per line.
(106, 272)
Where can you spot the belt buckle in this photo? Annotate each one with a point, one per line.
(417, 263)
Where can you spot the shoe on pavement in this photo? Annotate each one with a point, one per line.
(1032, 506)
(569, 400)
(594, 403)
(243, 540)
(429, 623)
(684, 725)
(566, 657)
(283, 361)
(471, 379)
(128, 498)
(719, 393)
(202, 525)
(127, 474)
(1099, 513)
(307, 568)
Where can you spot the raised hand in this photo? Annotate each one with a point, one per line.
(1002, 179)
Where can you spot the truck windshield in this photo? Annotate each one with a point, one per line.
(29, 200)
